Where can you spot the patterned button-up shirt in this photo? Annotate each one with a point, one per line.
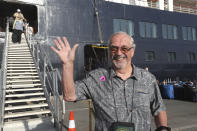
(114, 99)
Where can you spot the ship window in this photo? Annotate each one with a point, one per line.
(194, 34)
(149, 55)
(171, 57)
(123, 25)
(148, 30)
(189, 33)
(191, 57)
(169, 32)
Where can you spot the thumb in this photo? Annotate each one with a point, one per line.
(74, 49)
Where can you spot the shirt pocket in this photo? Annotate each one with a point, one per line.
(141, 98)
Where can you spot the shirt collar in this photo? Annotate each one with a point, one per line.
(134, 75)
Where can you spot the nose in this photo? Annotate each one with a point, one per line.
(119, 52)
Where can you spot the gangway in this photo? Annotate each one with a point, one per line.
(30, 88)
(25, 104)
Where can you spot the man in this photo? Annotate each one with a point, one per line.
(18, 26)
(123, 93)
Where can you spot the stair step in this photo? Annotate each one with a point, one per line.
(20, 53)
(18, 48)
(24, 85)
(25, 73)
(26, 113)
(17, 45)
(19, 81)
(21, 77)
(28, 59)
(25, 100)
(19, 57)
(26, 106)
(25, 94)
(30, 70)
(12, 51)
(19, 67)
(20, 62)
(29, 89)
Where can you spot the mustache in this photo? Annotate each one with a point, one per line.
(116, 57)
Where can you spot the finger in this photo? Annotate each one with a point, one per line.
(66, 42)
(61, 43)
(57, 44)
(54, 49)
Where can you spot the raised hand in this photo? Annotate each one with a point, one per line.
(64, 51)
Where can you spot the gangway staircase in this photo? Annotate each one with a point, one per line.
(25, 107)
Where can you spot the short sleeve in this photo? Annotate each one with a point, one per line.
(82, 91)
(15, 14)
(157, 104)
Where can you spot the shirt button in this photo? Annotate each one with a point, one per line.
(132, 110)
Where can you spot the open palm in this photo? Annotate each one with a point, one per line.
(64, 51)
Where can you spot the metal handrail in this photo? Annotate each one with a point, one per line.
(3, 76)
(155, 5)
(185, 10)
(49, 77)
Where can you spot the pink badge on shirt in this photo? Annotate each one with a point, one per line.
(102, 78)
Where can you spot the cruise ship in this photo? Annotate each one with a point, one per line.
(164, 31)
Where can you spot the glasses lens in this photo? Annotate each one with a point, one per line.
(123, 49)
(114, 49)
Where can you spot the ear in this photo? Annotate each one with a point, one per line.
(132, 52)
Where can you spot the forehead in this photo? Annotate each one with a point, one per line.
(120, 40)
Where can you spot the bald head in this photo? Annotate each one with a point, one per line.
(129, 38)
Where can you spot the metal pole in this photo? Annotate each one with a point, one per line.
(55, 104)
(90, 114)
(55, 99)
(44, 72)
(4, 73)
(33, 48)
(30, 40)
(38, 60)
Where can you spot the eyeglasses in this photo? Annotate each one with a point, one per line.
(123, 49)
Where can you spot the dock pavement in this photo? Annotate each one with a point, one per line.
(182, 115)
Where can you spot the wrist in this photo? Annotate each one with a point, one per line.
(163, 128)
(67, 65)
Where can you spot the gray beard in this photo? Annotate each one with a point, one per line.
(117, 64)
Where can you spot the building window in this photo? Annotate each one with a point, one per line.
(171, 57)
(123, 25)
(149, 55)
(189, 33)
(191, 57)
(148, 30)
(169, 32)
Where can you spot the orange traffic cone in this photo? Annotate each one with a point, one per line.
(71, 126)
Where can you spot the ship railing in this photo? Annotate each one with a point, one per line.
(143, 3)
(155, 5)
(50, 78)
(3, 76)
(185, 10)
